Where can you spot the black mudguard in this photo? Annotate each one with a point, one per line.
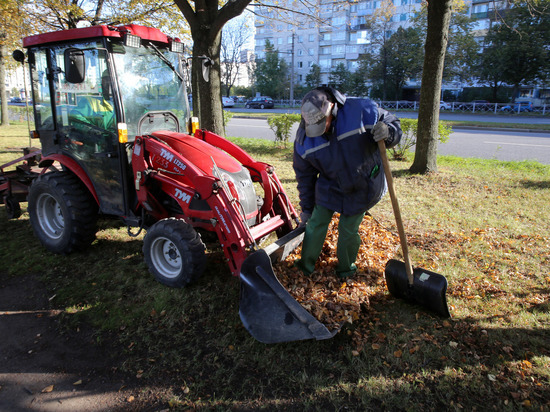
(267, 310)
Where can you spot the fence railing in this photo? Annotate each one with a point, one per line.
(458, 107)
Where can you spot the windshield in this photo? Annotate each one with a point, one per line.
(148, 83)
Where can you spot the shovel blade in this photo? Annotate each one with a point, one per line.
(268, 311)
(428, 288)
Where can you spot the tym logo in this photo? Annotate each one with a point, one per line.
(166, 154)
(181, 195)
(180, 164)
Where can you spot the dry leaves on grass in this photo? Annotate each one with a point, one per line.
(331, 300)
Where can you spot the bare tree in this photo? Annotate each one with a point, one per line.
(234, 38)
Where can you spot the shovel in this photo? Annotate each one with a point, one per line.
(417, 286)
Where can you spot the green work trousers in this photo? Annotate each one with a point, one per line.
(348, 241)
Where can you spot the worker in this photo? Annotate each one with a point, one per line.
(338, 169)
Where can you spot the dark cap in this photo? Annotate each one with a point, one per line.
(316, 106)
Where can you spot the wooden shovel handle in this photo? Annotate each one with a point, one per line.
(396, 211)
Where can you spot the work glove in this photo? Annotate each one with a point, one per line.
(304, 217)
(380, 132)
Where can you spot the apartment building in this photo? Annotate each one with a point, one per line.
(336, 31)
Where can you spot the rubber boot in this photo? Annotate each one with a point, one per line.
(314, 238)
(348, 245)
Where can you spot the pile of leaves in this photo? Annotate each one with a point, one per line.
(331, 300)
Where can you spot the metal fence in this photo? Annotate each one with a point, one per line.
(455, 107)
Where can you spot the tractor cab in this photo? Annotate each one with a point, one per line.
(91, 87)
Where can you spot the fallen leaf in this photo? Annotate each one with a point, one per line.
(453, 344)
(130, 398)
(375, 346)
(47, 389)
(413, 350)
(398, 353)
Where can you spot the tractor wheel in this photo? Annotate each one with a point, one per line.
(174, 252)
(13, 208)
(62, 212)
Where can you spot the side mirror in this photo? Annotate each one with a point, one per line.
(75, 65)
(18, 56)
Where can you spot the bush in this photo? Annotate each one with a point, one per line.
(408, 140)
(281, 125)
(227, 116)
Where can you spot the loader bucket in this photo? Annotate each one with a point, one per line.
(266, 309)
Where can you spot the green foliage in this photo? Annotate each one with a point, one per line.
(517, 51)
(313, 78)
(271, 73)
(404, 58)
(339, 78)
(282, 124)
(408, 140)
(227, 115)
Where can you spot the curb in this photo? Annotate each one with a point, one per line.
(479, 128)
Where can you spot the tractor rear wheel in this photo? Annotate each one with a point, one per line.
(62, 212)
(174, 252)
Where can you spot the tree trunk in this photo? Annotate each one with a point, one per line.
(207, 103)
(439, 16)
(5, 115)
(206, 22)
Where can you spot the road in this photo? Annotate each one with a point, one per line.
(485, 144)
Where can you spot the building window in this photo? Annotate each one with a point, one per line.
(339, 36)
(325, 63)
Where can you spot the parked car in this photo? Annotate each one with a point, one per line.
(444, 106)
(518, 107)
(260, 102)
(227, 101)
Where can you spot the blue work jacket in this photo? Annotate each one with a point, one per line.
(342, 169)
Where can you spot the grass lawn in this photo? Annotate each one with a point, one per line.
(481, 223)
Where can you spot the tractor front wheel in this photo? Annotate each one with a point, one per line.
(174, 252)
(62, 212)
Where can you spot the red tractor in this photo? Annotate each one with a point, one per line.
(110, 104)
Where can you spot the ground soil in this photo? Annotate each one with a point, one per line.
(43, 367)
